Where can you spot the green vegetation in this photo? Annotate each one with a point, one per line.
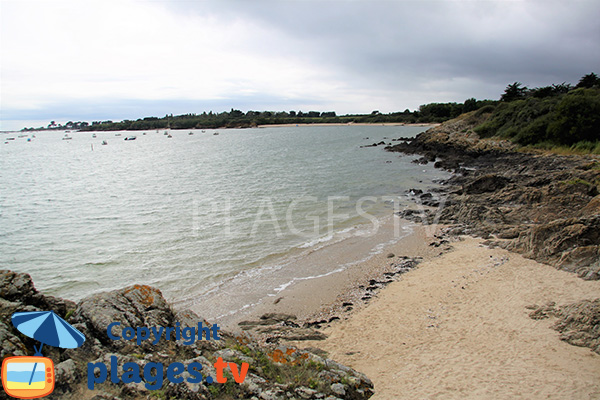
(427, 113)
(553, 117)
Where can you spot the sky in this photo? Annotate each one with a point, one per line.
(88, 60)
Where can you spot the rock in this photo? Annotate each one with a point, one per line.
(16, 286)
(271, 395)
(593, 207)
(10, 344)
(338, 389)
(391, 255)
(134, 306)
(575, 240)
(485, 184)
(579, 324)
(138, 306)
(422, 161)
(66, 373)
(278, 317)
(543, 312)
(305, 392)
(305, 334)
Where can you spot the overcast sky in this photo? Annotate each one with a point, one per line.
(86, 60)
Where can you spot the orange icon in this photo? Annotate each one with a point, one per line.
(28, 377)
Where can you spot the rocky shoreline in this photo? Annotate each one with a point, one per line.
(543, 206)
(275, 372)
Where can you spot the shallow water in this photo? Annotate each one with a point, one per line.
(193, 213)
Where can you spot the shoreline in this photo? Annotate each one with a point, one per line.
(424, 124)
(313, 284)
(324, 297)
(345, 124)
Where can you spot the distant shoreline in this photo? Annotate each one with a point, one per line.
(423, 124)
(347, 124)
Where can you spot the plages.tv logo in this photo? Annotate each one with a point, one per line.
(26, 377)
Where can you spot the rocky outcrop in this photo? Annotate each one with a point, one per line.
(544, 206)
(578, 323)
(274, 372)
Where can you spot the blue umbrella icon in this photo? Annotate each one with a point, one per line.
(47, 328)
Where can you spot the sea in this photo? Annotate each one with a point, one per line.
(216, 219)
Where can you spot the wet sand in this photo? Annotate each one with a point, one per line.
(457, 327)
(323, 297)
(318, 281)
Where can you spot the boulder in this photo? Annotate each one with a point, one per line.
(486, 184)
(134, 306)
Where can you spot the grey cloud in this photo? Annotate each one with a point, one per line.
(401, 43)
(403, 52)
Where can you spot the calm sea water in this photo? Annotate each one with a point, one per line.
(187, 213)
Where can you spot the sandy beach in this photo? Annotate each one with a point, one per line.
(458, 327)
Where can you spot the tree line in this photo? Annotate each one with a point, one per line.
(427, 113)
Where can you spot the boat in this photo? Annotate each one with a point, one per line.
(117, 134)
(93, 135)
(131, 138)
(169, 136)
(67, 137)
(216, 133)
(191, 133)
(104, 143)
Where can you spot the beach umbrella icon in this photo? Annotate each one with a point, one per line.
(48, 328)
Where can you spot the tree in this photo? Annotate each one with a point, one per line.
(236, 113)
(514, 91)
(470, 105)
(577, 118)
(588, 81)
